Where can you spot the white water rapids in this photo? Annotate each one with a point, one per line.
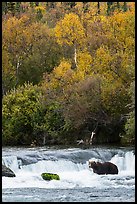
(70, 164)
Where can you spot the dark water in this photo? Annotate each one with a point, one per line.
(69, 195)
(77, 182)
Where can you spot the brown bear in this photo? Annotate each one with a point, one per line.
(103, 168)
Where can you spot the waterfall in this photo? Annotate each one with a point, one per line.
(71, 165)
(12, 162)
(125, 162)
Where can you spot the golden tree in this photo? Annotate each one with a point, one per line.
(69, 31)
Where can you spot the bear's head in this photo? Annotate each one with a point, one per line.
(91, 164)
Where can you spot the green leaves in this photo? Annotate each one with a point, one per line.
(27, 117)
(20, 107)
(130, 123)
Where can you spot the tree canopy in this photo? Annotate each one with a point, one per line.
(78, 61)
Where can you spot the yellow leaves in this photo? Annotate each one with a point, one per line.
(14, 26)
(13, 31)
(84, 63)
(84, 60)
(24, 20)
(93, 8)
(64, 76)
(20, 34)
(103, 59)
(61, 76)
(100, 18)
(79, 7)
(8, 27)
(61, 70)
(7, 67)
(103, 52)
(70, 30)
(131, 6)
(79, 75)
(40, 8)
(122, 26)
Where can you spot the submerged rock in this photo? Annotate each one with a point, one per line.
(50, 176)
(7, 172)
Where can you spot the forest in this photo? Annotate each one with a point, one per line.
(68, 69)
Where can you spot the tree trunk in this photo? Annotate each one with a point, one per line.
(125, 7)
(37, 3)
(118, 5)
(3, 90)
(17, 72)
(44, 139)
(75, 55)
(98, 8)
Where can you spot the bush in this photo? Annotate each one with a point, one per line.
(28, 117)
(21, 111)
(129, 136)
(130, 127)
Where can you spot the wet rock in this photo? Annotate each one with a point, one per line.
(7, 172)
(28, 159)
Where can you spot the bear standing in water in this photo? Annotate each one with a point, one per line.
(103, 168)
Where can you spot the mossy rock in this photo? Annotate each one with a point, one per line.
(50, 176)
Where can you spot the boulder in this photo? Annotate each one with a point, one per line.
(7, 172)
(50, 176)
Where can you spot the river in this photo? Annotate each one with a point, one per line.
(77, 182)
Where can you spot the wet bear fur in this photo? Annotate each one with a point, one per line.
(103, 168)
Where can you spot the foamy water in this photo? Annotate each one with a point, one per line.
(72, 173)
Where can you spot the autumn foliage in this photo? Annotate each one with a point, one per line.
(81, 56)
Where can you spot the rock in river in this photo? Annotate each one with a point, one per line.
(7, 172)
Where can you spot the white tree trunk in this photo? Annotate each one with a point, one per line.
(75, 55)
(17, 71)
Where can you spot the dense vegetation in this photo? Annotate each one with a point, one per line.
(68, 68)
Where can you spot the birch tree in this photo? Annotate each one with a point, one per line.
(69, 31)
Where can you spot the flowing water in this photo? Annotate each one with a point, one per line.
(77, 182)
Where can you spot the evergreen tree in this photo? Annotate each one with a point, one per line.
(17, 7)
(109, 8)
(125, 7)
(12, 7)
(4, 7)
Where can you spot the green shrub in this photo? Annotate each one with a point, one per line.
(27, 116)
(54, 120)
(129, 136)
(21, 111)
